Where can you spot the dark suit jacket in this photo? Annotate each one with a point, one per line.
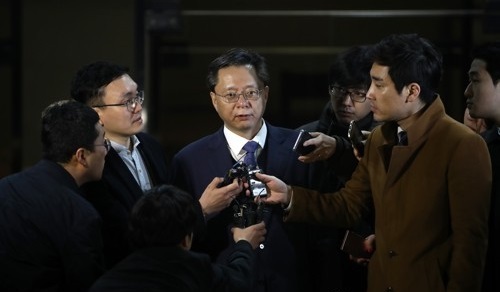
(177, 270)
(332, 174)
(116, 193)
(50, 237)
(492, 269)
(195, 166)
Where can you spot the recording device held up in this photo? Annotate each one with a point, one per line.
(241, 171)
(246, 211)
(356, 137)
(299, 143)
(353, 244)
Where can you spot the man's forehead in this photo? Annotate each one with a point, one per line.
(379, 72)
(477, 67)
(122, 85)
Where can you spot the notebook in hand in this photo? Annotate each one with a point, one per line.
(354, 245)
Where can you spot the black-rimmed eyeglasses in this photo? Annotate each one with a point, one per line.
(233, 96)
(341, 92)
(106, 144)
(131, 103)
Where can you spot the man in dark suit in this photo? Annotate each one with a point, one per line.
(161, 230)
(238, 83)
(333, 161)
(50, 236)
(483, 101)
(135, 163)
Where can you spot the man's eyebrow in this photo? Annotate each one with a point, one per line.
(129, 94)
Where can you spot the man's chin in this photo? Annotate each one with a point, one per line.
(138, 127)
(346, 121)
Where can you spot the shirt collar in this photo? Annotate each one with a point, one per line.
(120, 148)
(236, 142)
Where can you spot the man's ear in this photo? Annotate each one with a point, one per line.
(413, 91)
(81, 156)
(99, 113)
(213, 97)
(187, 241)
(265, 93)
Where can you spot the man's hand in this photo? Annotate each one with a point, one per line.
(215, 199)
(277, 190)
(254, 234)
(325, 147)
(354, 150)
(369, 245)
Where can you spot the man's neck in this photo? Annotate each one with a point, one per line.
(416, 113)
(247, 134)
(122, 140)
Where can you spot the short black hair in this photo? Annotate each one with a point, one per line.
(351, 68)
(411, 58)
(162, 217)
(89, 81)
(489, 53)
(238, 57)
(66, 126)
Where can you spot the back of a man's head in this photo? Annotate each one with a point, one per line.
(87, 85)
(66, 126)
(162, 217)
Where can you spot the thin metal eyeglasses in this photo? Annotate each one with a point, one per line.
(341, 92)
(131, 103)
(233, 96)
(107, 144)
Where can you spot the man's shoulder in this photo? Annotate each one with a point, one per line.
(274, 130)
(35, 189)
(452, 127)
(203, 143)
(491, 135)
(281, 135)
(167, 256)
(37, 176)
(147, 139)
(309, 127)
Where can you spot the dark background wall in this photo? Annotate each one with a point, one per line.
(168, 45)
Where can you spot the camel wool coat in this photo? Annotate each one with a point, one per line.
(431, 200)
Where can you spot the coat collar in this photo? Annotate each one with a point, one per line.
(397, 158)
(55, 170)
(491, 135)
(276, 147)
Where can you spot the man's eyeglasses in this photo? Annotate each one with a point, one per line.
(131, 103)
(107, 144)
(341, 92)
(233, 96)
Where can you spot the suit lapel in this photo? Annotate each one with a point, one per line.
(218, 150)
(115, 164)
(275, 153)
(401, 157)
